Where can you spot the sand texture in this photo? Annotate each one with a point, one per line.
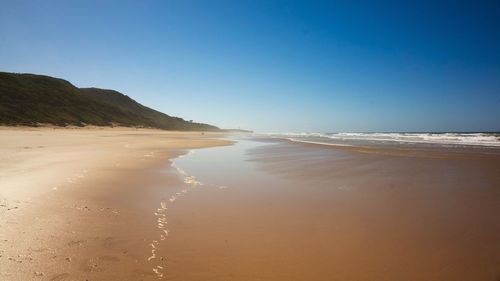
(127, 204)
(79, 204)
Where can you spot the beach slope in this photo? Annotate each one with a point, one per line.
(80, 203)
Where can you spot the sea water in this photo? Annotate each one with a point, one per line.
(426, 139)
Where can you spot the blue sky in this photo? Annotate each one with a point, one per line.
(274, 65)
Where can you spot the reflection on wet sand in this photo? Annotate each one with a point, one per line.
(308, 212)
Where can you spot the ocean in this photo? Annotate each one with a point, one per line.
(445, 139)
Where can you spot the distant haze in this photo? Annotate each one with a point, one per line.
(274, 66)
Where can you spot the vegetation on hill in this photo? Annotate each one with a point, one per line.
(29, 99)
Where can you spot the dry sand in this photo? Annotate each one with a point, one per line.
(90, 204)
(79, 204)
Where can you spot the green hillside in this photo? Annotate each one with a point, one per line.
(28, 99)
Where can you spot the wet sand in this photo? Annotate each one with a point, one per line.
(127, 204)
(291, 211)
(79, 204)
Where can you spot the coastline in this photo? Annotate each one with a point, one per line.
(80, 203)
(306, 212)
(422, 139)
(127, 208)
(430, 150)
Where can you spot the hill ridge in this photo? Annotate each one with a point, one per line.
(32, 99)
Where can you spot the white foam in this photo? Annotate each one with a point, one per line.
(478, 139)
(190, 182)
(317, 142)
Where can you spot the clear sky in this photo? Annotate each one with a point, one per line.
(274, 65)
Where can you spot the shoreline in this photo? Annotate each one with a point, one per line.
(425, 139)
(266, 209)
(81, 203)
(436, 150)
(307, 212)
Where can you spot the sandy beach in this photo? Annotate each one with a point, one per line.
(292, 211)
(79, 204)
(136, 204)
(249, 140)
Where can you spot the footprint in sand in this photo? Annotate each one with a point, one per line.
(40, 250)
(114, 243)
(100, 263)
(76, 243)
(60, 277)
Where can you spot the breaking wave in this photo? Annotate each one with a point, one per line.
(477, 139)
